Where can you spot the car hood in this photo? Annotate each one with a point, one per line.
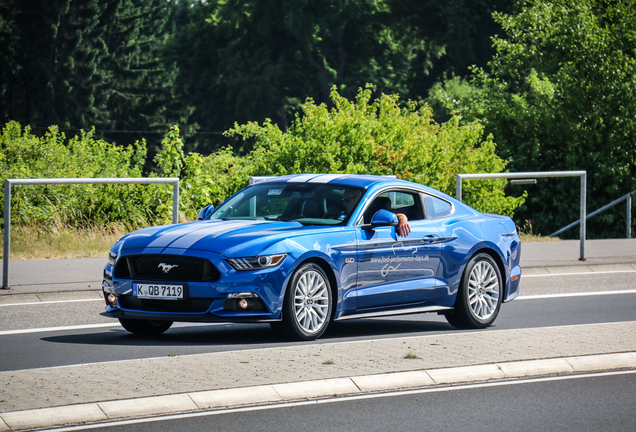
(229, 238)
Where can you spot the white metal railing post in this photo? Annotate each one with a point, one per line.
(175, 203)
(628, 214)
(458, 187)
(60, 181)
(583, 218)
(7, 234)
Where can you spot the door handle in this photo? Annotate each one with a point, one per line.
(430, 239)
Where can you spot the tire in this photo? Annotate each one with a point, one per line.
(308, 304)
(480, 294)
(145, 327)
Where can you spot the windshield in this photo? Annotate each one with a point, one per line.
(307, 203)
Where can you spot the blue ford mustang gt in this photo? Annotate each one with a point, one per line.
(304, 250)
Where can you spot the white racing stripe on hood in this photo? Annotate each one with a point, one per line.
(165, 236)
(190, 237)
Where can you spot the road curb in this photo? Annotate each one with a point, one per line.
(580, 269)
(102, 412)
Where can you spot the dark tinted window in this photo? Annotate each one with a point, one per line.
(307, 203)
(397, 201)
(436, 207)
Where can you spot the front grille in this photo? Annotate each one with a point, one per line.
(185, 305)
(166, 268)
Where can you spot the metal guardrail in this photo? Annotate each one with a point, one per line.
(59, 181)
(628, 214)
(539, 174)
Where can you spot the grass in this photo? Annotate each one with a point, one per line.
(527, 238)
(59, 241)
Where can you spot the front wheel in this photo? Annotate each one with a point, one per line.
(308, 303)
(480, 294)
(146, 327)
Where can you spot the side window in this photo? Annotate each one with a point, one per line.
(406, 203)
(436, 207)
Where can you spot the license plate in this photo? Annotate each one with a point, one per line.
(158, 291)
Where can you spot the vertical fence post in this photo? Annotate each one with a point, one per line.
(7, 235)
(175, 203)
(583, 214)
(458, 187)
(628, 215)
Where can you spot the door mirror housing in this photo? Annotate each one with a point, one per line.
(382, 218)
(205, 212)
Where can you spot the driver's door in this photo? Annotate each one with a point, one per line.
(395, 270)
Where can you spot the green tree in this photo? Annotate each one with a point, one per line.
(138, 88)
(54, 52)
(459, 30)
(380, 137)
(83, 63)
(559, 95)
(256, 59)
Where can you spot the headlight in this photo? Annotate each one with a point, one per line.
(112, 257)
(256, 263)
(113, 253)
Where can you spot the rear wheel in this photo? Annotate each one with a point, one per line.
(480, 294)
(308, 304)
(147, 327)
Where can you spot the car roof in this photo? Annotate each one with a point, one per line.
(362, 181)
(356, 180)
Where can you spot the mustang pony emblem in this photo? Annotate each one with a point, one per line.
(167, 267)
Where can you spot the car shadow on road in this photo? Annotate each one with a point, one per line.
(253, 335)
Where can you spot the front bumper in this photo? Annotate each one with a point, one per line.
(206, 301)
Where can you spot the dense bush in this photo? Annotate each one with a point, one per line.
(360, 137)
(380, 137)
(24, 155)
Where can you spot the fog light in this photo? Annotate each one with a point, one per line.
(112, 299)
(248, 303)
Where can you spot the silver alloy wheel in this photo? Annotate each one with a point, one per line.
(483, 290)
(311, 301)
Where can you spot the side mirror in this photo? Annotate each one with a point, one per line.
(205, 212)
(383, 218)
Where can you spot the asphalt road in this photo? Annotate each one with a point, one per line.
(47, 334)
(597, 402)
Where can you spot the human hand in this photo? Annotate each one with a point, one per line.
(403, 228)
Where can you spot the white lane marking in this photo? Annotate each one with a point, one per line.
(577, 294)
(51, 302)
(93, 326)
(578, 273)
(53, 329)
(340, 400)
